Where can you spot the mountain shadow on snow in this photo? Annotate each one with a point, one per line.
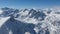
(16, 27)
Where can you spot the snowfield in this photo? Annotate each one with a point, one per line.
(45, 21)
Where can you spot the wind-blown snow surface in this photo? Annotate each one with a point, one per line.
(46, 21)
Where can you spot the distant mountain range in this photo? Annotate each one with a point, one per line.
(34, 21)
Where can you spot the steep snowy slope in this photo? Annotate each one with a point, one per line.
(34, 21)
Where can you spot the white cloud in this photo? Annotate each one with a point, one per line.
(52, 20)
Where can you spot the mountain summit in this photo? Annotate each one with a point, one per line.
(33, 21)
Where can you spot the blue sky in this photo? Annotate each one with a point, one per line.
(29, 3)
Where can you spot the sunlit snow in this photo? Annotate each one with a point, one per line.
(3, 20)
(50, 22)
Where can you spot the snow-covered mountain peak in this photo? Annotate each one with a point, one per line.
(43, 18)
(28, 13)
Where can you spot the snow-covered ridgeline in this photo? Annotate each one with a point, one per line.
(51, 21)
